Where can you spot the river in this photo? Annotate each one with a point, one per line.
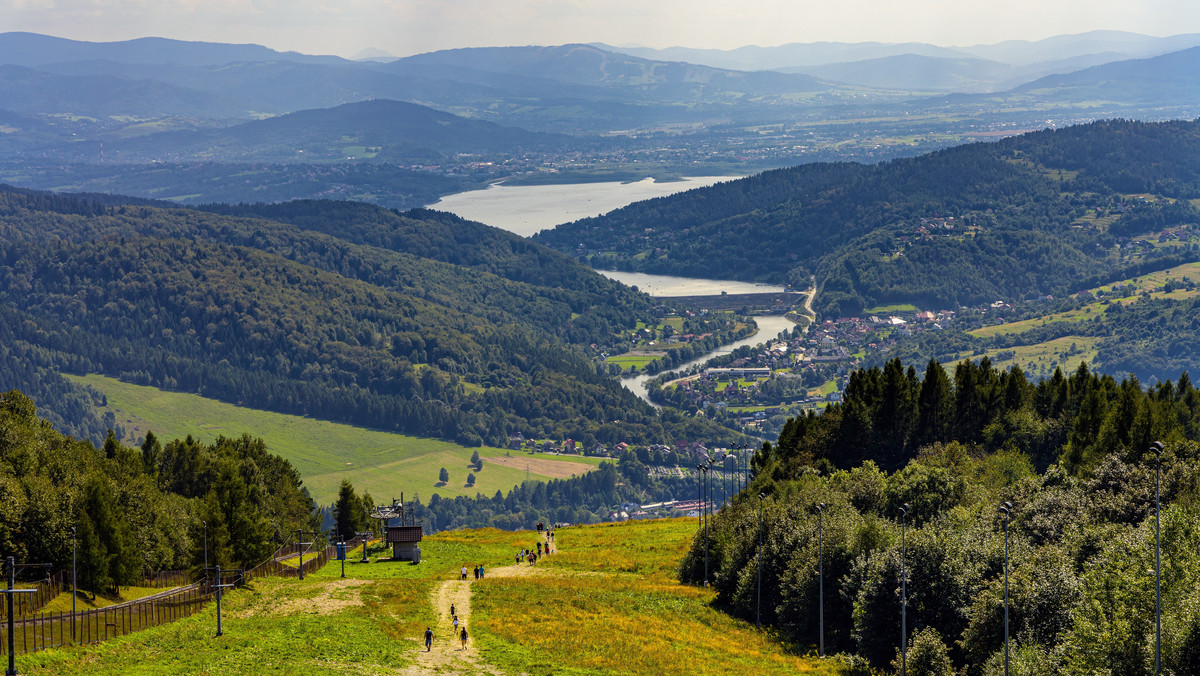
(769, 326)
(525, 210)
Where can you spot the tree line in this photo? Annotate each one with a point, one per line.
(138, 511)
(1071, 453)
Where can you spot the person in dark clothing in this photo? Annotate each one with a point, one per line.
(463, 635)
(428, 639)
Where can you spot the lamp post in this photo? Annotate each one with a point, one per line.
(821, 579)
(700, 495)
(1006, 508)
(74, 586)
(903, 592)
(758, 604)
(1157, 448)
(342, 547)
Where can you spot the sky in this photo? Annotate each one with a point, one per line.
(404, 27)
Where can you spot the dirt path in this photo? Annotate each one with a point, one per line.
(448, 656)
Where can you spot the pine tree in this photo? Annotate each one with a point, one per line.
(348, 512)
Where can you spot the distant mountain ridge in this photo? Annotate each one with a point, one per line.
(34, 49)
(394, 131)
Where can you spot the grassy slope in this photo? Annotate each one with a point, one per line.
(613, 607)
(1040, 359)
(607, 603)
(323, 452)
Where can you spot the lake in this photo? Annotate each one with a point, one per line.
(528, 209)
(666, 285)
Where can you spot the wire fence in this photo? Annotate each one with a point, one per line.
(285, 562)
(40, 630)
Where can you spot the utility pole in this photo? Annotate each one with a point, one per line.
(220, 586)
(1157, 449)
(1006, 508)
(300, 545)
(821, 579)
(903, 593)
(74, 585)
(366, 537)
(11, 592)
(758, 602)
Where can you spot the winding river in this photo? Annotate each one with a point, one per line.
(525, 210)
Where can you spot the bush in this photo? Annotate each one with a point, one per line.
(927, 655)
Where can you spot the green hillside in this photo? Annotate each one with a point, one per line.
(1037, 214)
(324, 453)
(383, 323)
(604, 603)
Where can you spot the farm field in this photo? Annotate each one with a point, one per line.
(1040, 359)
(605, 603)
(1152, 284)
(324, 453)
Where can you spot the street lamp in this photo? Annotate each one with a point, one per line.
(904, 509)
(1006, 508)
(342, 547)
(758, 604)
(1157, 448)
(821, 578)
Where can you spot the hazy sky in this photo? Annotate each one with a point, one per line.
(404, 27)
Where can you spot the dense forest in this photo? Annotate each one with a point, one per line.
(1071, 453)
(140, 511)
(1017, 218)
(349, 312)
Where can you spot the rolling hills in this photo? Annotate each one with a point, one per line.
(959, 226)
(382, 334)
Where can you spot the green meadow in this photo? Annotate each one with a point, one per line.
(324, 452)
(605, 603)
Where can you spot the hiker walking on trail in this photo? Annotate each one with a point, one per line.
(481, 571)
(463, 635)
(456, 623)
(428, 639)
(539, 548)
(476, 572)
(464, 571)
(451, 610)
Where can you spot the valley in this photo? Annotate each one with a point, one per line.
(829, 357)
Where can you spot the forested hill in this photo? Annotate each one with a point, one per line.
(265, 313)
(1030, 215)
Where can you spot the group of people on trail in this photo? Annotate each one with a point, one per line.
(531, 555)
(461, 632)
(526, 554)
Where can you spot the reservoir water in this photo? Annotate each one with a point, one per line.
(525, 210)
(528, 209)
